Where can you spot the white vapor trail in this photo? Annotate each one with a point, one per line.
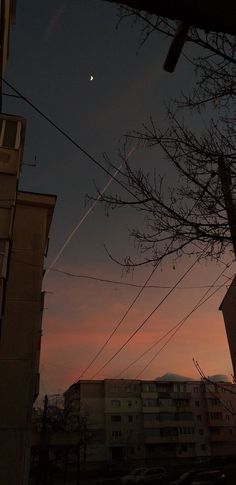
(84, 217)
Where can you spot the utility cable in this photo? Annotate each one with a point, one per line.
(134, 301)
(70, 138)
(178, 326)
(146, 319)
(118, 324)
(125, 283)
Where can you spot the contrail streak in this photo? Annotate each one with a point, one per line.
(84, 217)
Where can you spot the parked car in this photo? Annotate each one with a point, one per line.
(132, 476)
(153, 475)
(210, 477)
(186, 478)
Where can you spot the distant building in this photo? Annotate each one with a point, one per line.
(228, 307)
(146, 421)
(21, 323)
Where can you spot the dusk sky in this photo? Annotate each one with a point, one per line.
(56, 46)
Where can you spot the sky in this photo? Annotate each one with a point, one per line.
(55, 48)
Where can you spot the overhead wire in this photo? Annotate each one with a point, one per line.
(179, 325)
(176, 326)
(141, 325)
(125, 283)
(66, 135)
(163, 299)
(134, 301)
(118, 324)
(122, 283)
(96, 162)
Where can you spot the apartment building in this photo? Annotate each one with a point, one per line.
(133, 420)
(21, 329)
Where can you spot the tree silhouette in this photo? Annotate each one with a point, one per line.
(195, 213)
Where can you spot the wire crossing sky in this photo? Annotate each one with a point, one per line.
(90, 91)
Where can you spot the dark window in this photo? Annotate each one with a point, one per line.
(9, 138)
(130, 419)
(116, 418)
(115, 403)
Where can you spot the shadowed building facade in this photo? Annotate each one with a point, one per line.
(21, 332)
(228, 308)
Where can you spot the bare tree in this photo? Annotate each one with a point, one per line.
(195, 214)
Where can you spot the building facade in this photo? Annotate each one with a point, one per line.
(145, 421)
(21, 331)
(228, 309)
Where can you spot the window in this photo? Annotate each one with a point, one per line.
(130, 404)
(215, 431)
(197, 404)
(184, 416)
(186, 430)
(151, 417)
(150, 402)
(201, 431)
(116, 434)
(130, 418)
(181, 403)
(199, 418)
(4, 250)
(216, 415)
(152, 432)
(203, 447)
(115, 403)
(169, 431)
(167, 417)
(149, 387)
(116, 418)
(10, 131)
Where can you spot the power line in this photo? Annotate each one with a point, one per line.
(70, 139)
(179, 325)
(133, 285)
(143, 323)
(122, 283)
(118, 324)
(134, 301)
(146, 319)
